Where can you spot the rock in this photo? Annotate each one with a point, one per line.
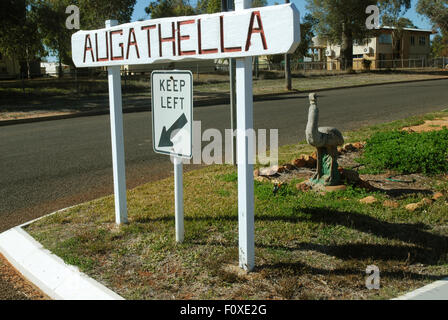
(289, 166)
(302, 186)
(391, 204)
(349, 147)
(310, 161)
(299, 163)
(413, 206)
(256, 173)
(425, 201)
(350, 176)
(281, 169)
(268, 171)
(261, 179)
(365, 185)
(437, 195)
(341, 187)
(368, 200)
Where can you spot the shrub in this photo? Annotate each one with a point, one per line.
(405, 152)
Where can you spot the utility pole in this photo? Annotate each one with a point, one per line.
(228, 5)
(288, 83)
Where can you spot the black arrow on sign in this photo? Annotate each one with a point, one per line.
(165, 137)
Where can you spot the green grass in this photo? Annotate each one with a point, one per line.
(308, 245)
(405, 152)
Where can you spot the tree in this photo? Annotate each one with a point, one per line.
(19, 38)
(343, 22)
(397, 33)
(169, 8)
(392, 17)
(439, 46)
(436, 11)
(259, 3)
(50, 17)
(95, 13)
(306, 37)
(208, 6)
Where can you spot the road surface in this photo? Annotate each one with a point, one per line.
(46, 166)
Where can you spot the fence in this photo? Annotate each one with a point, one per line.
(203, 70)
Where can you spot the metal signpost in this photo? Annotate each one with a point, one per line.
(172, 129)
(240, 34)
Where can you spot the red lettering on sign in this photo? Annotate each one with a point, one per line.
(133, 43)
(200, 50)
(120, 32)
(223, 48)
(88, 48)
(153, 26)
(169, 39)
(107, 48)
(256, 30)
(180, 38)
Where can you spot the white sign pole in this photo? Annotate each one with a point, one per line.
(244, 105)
(179, 199)
(116, 128)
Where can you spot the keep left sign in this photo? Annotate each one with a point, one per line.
(172, 112)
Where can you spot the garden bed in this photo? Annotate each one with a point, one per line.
(309, 245)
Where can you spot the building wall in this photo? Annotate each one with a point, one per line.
(382, 55)
(9, 68)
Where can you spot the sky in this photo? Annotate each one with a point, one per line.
(139, 13)
(420, 21)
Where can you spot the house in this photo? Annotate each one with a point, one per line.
(51, 68)
(379, 51)
(9, 68)
(201, 66)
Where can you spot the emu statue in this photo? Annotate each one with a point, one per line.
(326, 140)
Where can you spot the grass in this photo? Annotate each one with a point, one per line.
(205, 83)
(308, 245)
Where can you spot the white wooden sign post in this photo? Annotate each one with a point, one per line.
(116, 129)
(239, 34)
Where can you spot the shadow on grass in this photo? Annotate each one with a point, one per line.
(423, 246)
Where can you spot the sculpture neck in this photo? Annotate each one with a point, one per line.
(313, 119)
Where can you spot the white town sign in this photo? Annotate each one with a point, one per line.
(240, 34)
(251, 32)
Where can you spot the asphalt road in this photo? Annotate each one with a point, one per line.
(46, 166)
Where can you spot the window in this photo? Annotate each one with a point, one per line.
(422, 41)
(358, 56)
(412, 41)
(386, 39)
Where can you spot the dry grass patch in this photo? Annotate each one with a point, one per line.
(308, 245)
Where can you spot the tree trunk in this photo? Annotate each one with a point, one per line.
(346, 49)
(60, 74)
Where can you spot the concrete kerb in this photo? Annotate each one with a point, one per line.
(61, 281)
(47, 271)
(437, 290)
(205, 102)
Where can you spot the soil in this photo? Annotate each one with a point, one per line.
(394, 185)
(429, 125)
(14, 287)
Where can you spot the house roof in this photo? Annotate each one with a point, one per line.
(408, 29)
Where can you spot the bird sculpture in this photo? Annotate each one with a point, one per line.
(326, 140)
